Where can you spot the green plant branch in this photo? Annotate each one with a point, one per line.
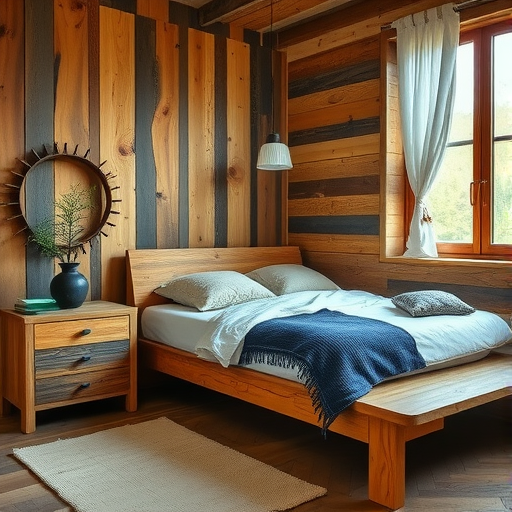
(61, 236)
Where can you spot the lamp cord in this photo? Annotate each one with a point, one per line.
(272, 113)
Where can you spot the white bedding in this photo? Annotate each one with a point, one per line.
(218, 335)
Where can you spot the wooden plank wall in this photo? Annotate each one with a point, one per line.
(146, 89)
(334, 139)
(12, 249)
(347, 186)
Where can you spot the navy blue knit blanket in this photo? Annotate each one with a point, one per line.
(339, 357)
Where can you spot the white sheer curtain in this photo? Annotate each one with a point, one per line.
(427, 48)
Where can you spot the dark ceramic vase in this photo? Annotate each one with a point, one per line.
(69, 288)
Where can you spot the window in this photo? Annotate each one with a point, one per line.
(471, 201)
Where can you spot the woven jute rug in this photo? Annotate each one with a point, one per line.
(160, 466)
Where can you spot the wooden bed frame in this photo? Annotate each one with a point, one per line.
(386, 418)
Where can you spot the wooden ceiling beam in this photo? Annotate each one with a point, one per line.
(255, 14)
(225, 11)
(356, 11)
(347, 14)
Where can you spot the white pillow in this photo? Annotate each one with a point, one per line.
(289, 278)
(212, 290)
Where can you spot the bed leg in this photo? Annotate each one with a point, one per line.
(386, 478)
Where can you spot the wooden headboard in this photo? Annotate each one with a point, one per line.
(148, 268)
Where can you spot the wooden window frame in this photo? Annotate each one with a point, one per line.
(481, 248)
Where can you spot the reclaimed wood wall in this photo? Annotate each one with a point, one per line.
(346, 190)
(177, 114)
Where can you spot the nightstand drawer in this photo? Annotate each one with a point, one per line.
(82, 386)
(81, 358)
(80, 332)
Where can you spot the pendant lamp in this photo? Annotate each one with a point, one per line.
(273, 155)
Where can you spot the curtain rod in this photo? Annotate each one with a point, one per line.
(459, 7)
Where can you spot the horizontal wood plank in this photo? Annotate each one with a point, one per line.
(335, 149)
(338, 245)
(344, 95)
(350, 129)
(355, 73)
(336, 224)
(354, 205)
(347, 115)
(364, 165)
(322, 62)
(350, 186)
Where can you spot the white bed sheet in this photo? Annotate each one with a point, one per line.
(446, 340)
(181, 326)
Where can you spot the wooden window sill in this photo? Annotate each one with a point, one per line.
(461, 262)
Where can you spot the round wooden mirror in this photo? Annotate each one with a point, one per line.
(38, 194)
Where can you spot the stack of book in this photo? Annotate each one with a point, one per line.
(35, 306)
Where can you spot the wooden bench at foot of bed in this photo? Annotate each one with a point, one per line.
(386, 418)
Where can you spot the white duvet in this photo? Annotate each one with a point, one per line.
(439, 339)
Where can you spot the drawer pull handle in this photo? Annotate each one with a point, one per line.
(85, 332)
(85, 385)
(85, 358)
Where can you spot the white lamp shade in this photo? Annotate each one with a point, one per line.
(274, 155)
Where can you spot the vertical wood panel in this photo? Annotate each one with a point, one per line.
(221, 141)
(117, 100)
(93, 21)
(180, 14)
(72, 80)
(71, 99)
(146, 92)
(201, 139)
(165, 135)
(156, 9)
(12, 267)
(266, 181)
(256, 57)
(282, 180)
(239, 165)
(80, 69)
(39, 110)
(393, 174)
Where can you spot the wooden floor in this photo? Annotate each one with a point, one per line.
(467, 467)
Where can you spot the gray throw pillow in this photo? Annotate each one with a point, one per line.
(431, 302)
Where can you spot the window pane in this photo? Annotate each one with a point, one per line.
(462, 122)
(451, 210)
(502, 85)
(502, 150)
(502, 193)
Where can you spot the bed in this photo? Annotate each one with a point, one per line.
(385, 418)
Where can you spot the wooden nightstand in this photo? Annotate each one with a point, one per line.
(67, 356)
